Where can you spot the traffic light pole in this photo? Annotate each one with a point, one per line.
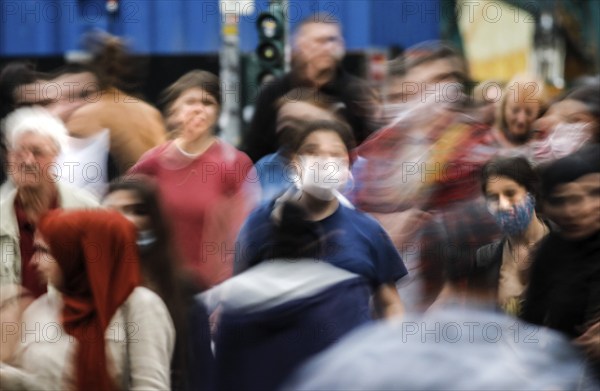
(229, 60)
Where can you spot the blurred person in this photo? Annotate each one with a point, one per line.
(136, 198)
(523, 100)
(206, 185)
(35, 139)
(427, 156)
(123, 333)
(429, 71)
(317, 53)
(511, 188)
(430, 142)
(77, 84)
(570, 122)
(287, 308)
(86, 161)
(134, 126)
(564, 290)
(352, 240)
(20, 85)
(460, 343)
(295, 109)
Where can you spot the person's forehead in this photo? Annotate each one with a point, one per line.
(320, 29)
(33, 138)
(31, 93)
(511, 102)
(578, 186)
(194, 93)
(502, 182)
(431, 70)
(324, 138)
(303, 110)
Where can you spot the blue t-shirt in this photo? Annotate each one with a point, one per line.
(275, 175)
(353, 241)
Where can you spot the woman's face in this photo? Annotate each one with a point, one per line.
(45, 263)
(519, 116)
(130, 206)
(568, 112)
(194, 114)
(503, 193)
(575, 207)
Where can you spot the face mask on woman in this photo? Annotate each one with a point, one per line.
(145, 238)
(322, 177)
(516, 219)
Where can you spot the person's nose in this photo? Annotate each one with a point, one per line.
(522, 118)
(27, 157)
(504, 203)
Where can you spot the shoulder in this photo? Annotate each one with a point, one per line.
(364, 220)
(152, 154)
(488, 254)
(231, 154)
(143, 302)
(142, 295)
(73, 197)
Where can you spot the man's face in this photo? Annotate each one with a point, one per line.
(32, 160)
(320, 44)
(575, 207)
(421, 80)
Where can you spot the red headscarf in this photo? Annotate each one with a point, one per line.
(97, 254)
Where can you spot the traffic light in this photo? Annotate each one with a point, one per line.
(270, 51)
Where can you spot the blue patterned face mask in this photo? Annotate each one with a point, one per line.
(515, 220)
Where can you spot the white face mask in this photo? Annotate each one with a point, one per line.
(322, 177)
(563, 139)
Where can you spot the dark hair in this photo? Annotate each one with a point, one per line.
(158, 263)
(341, 129)
(72, 67)
(111, 62)
(516, 168)
(570, 168)
(204, 80)
(449, 248)
(14, 75)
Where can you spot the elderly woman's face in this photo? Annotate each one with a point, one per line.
(575, 207)
(519, 115)
(194, 114)
(32, 160)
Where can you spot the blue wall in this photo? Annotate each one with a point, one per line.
(50, 27)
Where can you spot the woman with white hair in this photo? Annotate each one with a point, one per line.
(34, 141)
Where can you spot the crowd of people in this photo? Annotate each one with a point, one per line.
(425, 235)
